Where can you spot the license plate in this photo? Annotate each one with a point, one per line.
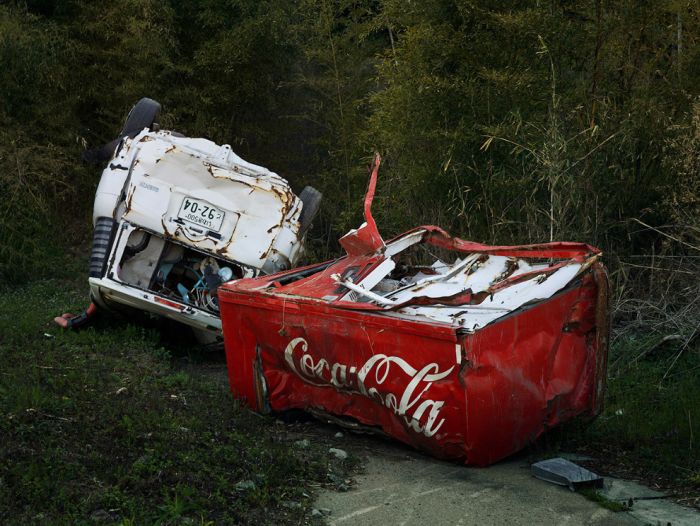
(201, 213)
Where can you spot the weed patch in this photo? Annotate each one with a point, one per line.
(650, 425)
(603, 501)
(100, 425)
(654, 418)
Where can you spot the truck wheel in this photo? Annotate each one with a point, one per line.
(142, 115)
(101, 245)
(311, 198)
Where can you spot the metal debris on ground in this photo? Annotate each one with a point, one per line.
(566, 473)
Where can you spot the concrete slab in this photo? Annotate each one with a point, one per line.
(623, 490)
(664, 513)
(648, 505)
(410, 489)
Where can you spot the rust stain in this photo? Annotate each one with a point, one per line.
(166, 231)
(129, 199)
(223, 251)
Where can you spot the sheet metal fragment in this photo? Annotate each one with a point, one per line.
(566, 473)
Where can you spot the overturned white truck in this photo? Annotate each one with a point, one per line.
(175, 217)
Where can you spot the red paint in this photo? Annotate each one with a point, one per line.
(478, 397)
(366, 239)
(168, 303)
(74, 321)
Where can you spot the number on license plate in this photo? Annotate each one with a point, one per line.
(201, 213)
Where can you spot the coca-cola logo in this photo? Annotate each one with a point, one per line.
(420, 413)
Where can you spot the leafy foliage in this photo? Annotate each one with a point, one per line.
(503, 121)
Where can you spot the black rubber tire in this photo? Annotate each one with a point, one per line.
(142, 115)
(102, 154)
(101, 245)
(312, 202)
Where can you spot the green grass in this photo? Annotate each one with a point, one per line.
(650, 426)
(656, 419)
(104, 426)
(593, 495)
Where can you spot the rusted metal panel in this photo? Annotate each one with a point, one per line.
(188, 214)
(177, 216)
(258, 205)
(468, 358)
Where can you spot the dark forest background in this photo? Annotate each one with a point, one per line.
(504, 121)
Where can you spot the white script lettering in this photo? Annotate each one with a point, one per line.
(368, 380)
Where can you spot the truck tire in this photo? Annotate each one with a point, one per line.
(311, 198)
(101, 244)
(142, 115)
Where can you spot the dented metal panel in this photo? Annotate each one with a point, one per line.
(257, 205)
(182, 215)
(470, 357)
(175, 217)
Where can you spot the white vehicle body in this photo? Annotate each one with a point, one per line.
(175, 216)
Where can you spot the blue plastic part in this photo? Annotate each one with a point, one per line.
(184, 293)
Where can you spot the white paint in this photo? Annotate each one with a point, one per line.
(145, 184)
(360, 290)
(502, 302)
(370, 281)
(404, 242)
(260, 227)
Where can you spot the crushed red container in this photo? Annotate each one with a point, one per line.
(469, 360)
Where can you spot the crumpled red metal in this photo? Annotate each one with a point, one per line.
(476, 392)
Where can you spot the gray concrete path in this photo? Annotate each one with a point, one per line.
(403, 489)
(649, 506)
(399, 486)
